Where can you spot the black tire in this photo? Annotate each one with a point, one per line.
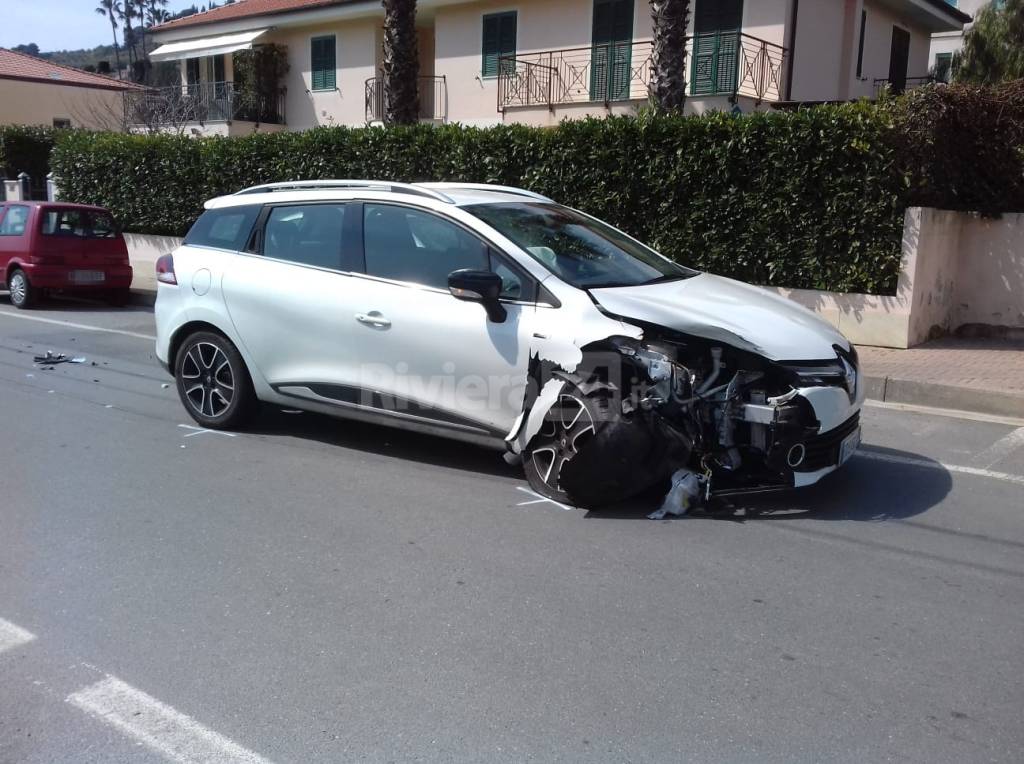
(118, 298)
(23, 294)
(213, 382)
(575, 418)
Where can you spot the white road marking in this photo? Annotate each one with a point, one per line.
(201, 430)
(1000, 449)
(12, 635)
(73, 325)
(952, 413)
(541, 499)
(156, 725)
(1018, 479)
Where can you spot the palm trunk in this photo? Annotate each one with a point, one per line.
(401, 63)
(117, 51)
(668, 81)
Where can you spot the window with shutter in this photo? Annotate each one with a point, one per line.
(499, 39)
(323, 63)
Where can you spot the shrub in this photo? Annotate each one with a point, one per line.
(812, 198)
(26, 148)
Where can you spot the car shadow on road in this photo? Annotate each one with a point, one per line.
(387, 441)
(867, 489)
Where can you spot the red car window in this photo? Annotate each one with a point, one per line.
(84, 224)
(14, 221)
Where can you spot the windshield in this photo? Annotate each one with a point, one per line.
(577, 248)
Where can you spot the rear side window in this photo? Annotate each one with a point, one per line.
(84, 224)
(14, 221)
(305, 233)
(223, 228)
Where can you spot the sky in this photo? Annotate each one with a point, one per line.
(61, 24)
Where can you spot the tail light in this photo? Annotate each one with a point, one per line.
(165, 270)
(44, 258)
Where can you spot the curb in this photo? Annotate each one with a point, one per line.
(915, 392)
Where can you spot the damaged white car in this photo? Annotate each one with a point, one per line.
(497, 316)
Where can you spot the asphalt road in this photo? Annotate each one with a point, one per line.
(316, 590)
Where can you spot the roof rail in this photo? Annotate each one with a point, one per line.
(373, 185)
(485, 187)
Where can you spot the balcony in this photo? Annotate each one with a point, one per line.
(721, 64)
(433, 92)
(893, 87)
(202, 103)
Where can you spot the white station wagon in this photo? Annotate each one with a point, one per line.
(500, 317)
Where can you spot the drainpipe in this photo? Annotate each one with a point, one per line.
(792, 49)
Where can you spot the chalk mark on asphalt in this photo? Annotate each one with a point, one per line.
(540, 499)
(203, 430)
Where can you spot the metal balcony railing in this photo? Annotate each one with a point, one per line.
(433, 93)
(895, 88)
(201, 103)
(721, 63)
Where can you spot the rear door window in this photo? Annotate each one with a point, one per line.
(308, 234)
(223, 228)
(71, 223)
(14, 221)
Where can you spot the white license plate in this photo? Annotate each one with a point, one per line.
(88, 277)
(849, 446)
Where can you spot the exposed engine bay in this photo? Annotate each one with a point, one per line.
(696, 416)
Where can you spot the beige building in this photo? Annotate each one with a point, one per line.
(485, 62)
(37, 92)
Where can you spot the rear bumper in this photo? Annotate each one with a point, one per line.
(61, 277)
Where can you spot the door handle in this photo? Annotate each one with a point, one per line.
(373, 318)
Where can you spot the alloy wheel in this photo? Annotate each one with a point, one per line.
(18, 288)
(207, 379)
(567, 427)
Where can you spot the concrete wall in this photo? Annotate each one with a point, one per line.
(990, 272)
(957, 269)
(143, 251)
(37, 103)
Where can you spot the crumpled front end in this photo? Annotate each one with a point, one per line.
(673, 404)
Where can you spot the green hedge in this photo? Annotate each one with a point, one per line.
(811, 198)
(26, 148)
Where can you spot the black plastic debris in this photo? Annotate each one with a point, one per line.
(51, 359)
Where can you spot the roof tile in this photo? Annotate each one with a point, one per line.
(241, 9)
(20, 66)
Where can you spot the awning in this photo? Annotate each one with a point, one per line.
(206, 46)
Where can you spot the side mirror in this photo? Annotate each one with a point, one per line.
(483, 287)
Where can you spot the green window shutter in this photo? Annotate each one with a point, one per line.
(323, 63)
(499, 39)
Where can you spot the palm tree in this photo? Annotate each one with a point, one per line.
(127, 14)
(112, 9)
(668, 54)
(401, 63)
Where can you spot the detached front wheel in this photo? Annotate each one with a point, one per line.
(568, 426)
(213, 382)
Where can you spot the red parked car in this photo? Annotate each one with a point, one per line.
(48, 246)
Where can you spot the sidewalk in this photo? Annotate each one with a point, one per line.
(980, 375)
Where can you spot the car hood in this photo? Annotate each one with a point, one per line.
(727, 311)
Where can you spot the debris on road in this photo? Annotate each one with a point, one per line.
(684, 494)
(51, 359)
